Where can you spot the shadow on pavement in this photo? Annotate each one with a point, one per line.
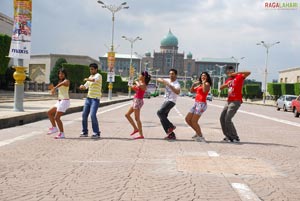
(252, 143)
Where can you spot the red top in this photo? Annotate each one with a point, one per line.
(139, 93)
(200, 95)
(235, 88)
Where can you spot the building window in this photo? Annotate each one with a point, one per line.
(298, 79)
(285, 80)
(281, 80)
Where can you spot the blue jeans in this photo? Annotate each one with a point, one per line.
(163, 113)
(91, 105)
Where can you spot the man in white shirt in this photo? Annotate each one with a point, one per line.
(171, 92)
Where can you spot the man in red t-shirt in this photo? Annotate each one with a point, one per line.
(235, 85)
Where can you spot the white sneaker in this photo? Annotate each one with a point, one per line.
(60, 136)
(194, 136)
(199, 139)
(52, 130)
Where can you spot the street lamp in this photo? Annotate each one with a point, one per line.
(141, 58)
(267, 46)
(220, 76)
(157, 70)
(236, 62)
(185, 72)
(130, 80)
(111, 55)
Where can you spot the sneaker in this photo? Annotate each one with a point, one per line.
(170, 130)
(60, 136)
(171, 136)
(199, 139)
(52, 130)
(83, 134)
(134, 132)
(235, 141)
(194, 136)
(96, 135)
(226, 139)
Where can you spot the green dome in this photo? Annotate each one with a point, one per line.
(189, 55)
(148, 54)
(169, 40)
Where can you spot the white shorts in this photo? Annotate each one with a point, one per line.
(62, 105)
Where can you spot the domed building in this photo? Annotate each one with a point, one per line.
(168, 57)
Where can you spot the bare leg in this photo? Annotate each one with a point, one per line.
(127, 115)
(195, 124)
(138, 121)
(188, 119)
(58, 121)
(51, 115)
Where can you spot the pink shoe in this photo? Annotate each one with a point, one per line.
(139, 137)
(134, 132)
(60, 136)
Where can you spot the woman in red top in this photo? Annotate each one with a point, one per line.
(140, 88)
(201, 88)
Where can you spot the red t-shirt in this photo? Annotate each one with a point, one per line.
(200, 95)
(139, 93)
(235, 88)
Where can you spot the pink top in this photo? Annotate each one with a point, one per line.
(139, 93)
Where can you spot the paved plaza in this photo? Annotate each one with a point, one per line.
(264, 166)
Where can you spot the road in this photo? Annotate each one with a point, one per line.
(264, 166)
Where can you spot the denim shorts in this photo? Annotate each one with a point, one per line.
(198, 108)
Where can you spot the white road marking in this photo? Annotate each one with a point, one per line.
(212, 154)
(22, 137)
(178, 112)
(245, 192)
(265, 117)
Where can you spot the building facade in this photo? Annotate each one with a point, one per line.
(290, 75)
(40, 66)
(6, 25)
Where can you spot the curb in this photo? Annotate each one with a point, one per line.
(37, 116)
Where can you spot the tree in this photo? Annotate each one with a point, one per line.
(53, 75)
(4, 60)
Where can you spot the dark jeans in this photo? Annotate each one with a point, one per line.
(227, 114)
(163, 112)
(91, 105)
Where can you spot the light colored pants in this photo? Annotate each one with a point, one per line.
(227, 114)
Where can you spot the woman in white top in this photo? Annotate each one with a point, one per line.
(62, 104)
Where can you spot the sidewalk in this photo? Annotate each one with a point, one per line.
(36, 106)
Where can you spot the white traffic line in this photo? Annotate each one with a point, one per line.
(22, 137)
(178, 112)
(245, 192)
(265, 117)
(212, 154)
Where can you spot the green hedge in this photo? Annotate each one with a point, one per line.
(251, 91)
(278, 89)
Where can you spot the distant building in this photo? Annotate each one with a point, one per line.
(40, 66)
(290, 75)
(6, 25)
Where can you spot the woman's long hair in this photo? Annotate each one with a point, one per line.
(147, 77)
(208, 78)
(62, 70)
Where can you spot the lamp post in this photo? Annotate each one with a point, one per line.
(236, 62)
(131, 69)
(185, 72)
(267, 46)
(220, 77)
(111, 59)
(156, 74)
(141, 58)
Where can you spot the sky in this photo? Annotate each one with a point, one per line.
(206, 28)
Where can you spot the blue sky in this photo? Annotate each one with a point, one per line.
(206, 28)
